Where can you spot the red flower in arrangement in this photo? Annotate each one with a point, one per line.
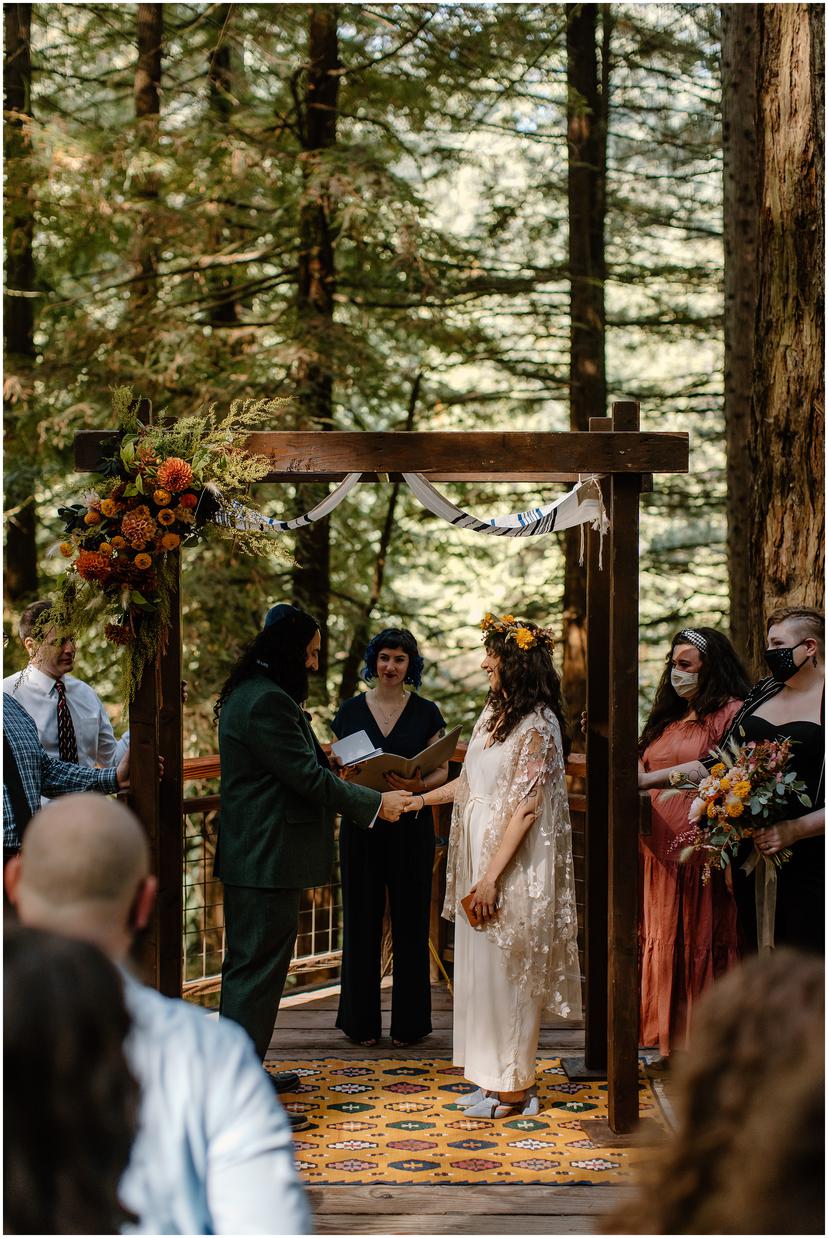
(174, 474)
(90, 565)
(118, 633)
(187, 500)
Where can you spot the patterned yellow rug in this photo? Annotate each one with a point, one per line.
(392, 1122)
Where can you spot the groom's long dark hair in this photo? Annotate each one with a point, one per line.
(528, 681)
(279, 652)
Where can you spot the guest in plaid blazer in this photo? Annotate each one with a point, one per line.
(29, 773)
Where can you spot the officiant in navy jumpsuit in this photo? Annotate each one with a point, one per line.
(397, 860)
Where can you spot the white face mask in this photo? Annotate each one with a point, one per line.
(684, 683)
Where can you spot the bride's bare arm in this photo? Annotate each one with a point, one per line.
(485, 889)
(439, 795)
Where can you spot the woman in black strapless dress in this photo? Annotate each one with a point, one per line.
(791, 705)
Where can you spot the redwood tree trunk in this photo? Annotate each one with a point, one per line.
(223, 309)
(786, 563)
(740, 208)
(587, 143)
(150, 32)
(20, 571)
(315, 305)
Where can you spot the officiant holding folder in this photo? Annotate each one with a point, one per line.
(395, 859)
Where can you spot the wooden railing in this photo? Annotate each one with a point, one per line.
(318, 952)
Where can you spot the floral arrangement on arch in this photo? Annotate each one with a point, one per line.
(154, 495)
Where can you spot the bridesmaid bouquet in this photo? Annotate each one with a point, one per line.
(749, 787)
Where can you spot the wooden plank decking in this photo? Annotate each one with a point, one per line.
(306, 1030)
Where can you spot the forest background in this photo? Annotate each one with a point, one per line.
(428, 216)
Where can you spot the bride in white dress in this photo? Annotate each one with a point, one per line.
(511, 848)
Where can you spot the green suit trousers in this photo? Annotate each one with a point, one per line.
(260, 931)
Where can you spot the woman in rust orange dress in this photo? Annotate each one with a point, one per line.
(687, 930)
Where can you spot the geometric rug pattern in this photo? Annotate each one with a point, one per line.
(395, 1122)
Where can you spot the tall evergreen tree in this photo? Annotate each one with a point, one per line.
(740, 211)
(787, 548)
(21, 465)
(587, 103)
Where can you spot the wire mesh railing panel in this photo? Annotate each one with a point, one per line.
(318, 946)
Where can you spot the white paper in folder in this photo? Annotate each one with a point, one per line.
(372, 772)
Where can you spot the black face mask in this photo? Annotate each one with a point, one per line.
(781, 663)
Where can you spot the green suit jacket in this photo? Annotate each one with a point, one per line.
(278, 805)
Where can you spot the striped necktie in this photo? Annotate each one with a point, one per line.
(67, 743)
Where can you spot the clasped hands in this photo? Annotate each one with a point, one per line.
(399, 798)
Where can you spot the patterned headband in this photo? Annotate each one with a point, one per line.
(510, 627)
(691, 637)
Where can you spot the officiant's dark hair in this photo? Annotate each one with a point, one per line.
(395, 638)
(528, 681)
(279, 652)
(722, 678)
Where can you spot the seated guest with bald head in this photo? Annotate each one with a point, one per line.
(213, 1154)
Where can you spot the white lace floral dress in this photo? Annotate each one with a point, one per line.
(525, 961)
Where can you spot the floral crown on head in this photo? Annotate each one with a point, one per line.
(513, 629)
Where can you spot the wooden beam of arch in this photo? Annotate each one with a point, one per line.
(482, 455)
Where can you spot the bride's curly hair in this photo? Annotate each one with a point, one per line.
(528, 681)
(747, 1155)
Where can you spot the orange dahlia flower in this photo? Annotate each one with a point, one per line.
(91, 565)
(118, 542)
(174, 474)
(162, 497)
(165, 516)
(143, 562)
(138, 526)
(170, 541)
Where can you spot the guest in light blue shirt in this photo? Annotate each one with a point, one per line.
(213, 1153)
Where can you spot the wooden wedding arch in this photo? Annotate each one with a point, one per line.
(615, 447)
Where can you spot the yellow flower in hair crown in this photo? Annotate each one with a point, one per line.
(511, 628)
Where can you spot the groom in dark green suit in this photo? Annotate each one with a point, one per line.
(279, 800)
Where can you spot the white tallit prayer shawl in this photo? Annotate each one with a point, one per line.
(536, 924)
(235, 515)
(581, 506)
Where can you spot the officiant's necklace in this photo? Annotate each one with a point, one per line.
(389, 716)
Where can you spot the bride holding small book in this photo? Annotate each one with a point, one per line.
(510, 885)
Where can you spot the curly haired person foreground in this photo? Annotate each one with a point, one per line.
(748, 1155)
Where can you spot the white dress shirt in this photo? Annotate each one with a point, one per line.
(37, 694)
(214, 1152)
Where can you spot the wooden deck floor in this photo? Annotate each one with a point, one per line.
(306, 1030)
